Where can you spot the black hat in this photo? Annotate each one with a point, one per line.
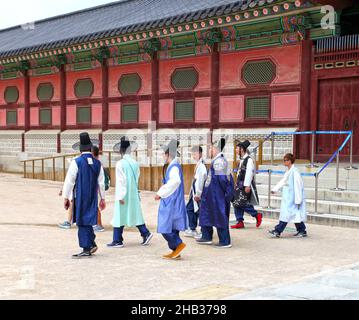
(220, 144)
(171, 148)
(85, 143)
(244, 145)
(124, 145)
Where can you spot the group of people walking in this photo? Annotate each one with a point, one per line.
(212, 192)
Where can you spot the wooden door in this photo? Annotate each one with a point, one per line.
(338, 111)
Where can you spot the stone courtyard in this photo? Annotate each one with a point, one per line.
(36, 257)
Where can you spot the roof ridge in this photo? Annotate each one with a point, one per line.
(112, 3)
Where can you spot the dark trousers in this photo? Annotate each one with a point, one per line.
(192, 216)
(239, 212)
(86, 237)
(118, 232)
(173, 239)
(282, 225)
(223, 235)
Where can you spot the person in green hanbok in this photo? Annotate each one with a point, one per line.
(128, 211)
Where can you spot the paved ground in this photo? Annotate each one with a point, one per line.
(36, 258)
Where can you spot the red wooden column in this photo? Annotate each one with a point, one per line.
(26, 106)
(63, 104)
(155, 87)
(215, 65)
(27, 99)
(105, 105)
(303, 143)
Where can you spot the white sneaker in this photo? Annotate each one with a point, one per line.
(190, 233)
(198, 236)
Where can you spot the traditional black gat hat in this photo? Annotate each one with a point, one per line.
(220, 144)
(125, 145)
(244, 145)
(85, 143)
(171, 148)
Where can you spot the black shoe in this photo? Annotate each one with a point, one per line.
(83, 254)
(94, 248)
(274, 233)
(222, 246)
(204, 242)
(147, 239)
(115, 244)
(301, 234)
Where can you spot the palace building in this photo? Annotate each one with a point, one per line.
(196, 69)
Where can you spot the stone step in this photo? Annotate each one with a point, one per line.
(324, 207)
(323, 194)
(321, 219)
(309, 182)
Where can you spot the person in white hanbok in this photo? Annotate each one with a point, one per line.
(293, 207)
(193, 205)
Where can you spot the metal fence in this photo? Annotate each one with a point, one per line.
(336, 155)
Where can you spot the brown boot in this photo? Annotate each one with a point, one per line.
(178, 251)
(168, 256)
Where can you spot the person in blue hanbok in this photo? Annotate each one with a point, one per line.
(216, 199)
(172, 210)
(84, 180)
(293, 208)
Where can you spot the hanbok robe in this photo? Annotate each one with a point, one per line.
(172, 214)
(127, 177)
(85, 178)
(217, 195)
(198, 182)
(292, 195)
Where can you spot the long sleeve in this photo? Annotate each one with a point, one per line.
(279, 186)
(298, 188)
(201, 179)
(171, 186)
(121, 183)
(70, 180)
(249, 173)
(101, 183)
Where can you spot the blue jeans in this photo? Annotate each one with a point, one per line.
(282, 225)
(173, 239)
(239, 212)
(223, 235)
(118, 232)
(192, 216)
(86, 237)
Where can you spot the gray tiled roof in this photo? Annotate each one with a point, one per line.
(109, 20)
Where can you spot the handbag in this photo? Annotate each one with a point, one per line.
(241, 198)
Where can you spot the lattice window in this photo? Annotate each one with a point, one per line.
(185, 79)
(45, 91)
(129, 84)
(11, 94)
(83, 115)
(11, 117)
(184, 111)
(257, 108)
(45, 117)
(129, 113)
(84, 88)
(259, 72)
